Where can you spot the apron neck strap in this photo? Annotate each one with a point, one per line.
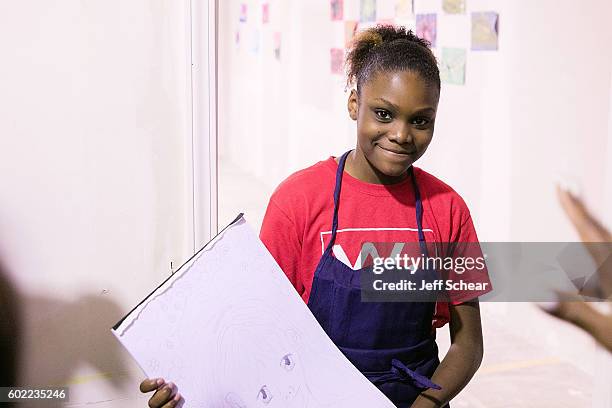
(419, 211)
(339, 173)
(418, 204)
(417, 196)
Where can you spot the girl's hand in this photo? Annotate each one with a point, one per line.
(166, 394)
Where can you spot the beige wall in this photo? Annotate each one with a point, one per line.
(95, 180)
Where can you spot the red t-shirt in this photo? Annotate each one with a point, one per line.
(297, 225)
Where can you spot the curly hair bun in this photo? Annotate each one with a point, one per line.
(389, 48)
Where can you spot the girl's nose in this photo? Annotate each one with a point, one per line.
(401, 134)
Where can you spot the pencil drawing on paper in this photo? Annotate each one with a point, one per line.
(232, 332)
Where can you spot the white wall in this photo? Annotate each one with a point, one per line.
(279, 116)
(96, 189)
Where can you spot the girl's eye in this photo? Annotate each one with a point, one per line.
(383, 114)
(420, 121)
(287, 362)
(264, 395)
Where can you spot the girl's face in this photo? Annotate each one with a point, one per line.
(395, 114)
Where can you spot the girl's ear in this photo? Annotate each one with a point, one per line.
(353, 105)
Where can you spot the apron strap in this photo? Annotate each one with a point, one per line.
(418, 204)
(339, 172)
(419, 211)
(399, 372)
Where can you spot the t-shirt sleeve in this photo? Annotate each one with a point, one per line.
(470, 277)
(279, 235)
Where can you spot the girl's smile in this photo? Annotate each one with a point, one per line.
(394, 153)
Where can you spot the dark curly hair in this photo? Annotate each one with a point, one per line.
(389, 48)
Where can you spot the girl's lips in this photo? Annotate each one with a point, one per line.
(394, 152)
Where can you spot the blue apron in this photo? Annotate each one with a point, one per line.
(391, 343)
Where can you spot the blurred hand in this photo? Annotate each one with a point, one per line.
(166, 394)
(572, 308)
(577, 312)
(590, 230)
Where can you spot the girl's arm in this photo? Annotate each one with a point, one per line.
(463, 357)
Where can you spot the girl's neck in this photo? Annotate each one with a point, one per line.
(358, 167)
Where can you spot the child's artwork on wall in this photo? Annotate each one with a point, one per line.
(337, 60)
(337, 9)
(276, 45)
(485, 30)
(231, 331)
(453, 6)
(404, 9)
(265, 13)
(243, 12)
(368, 11)
(452, 66)
(426, 27)
(350, 28)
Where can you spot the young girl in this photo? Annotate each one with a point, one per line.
(319, 219)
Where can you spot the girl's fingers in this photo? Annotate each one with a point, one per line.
(163, 395)
(176, 402)
(592, 232)
(150, 384)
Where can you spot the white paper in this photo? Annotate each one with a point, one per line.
(231, 331)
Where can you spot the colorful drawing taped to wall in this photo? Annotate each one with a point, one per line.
(243, 12)
(228, 345)
(265, 13)
(276, 44)
(485, 30)
(367, 11)
(404, 9)
(453, 6)
(350, 28)
(337, 9)
(426, 27)
(337, 60)
(452, 66)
